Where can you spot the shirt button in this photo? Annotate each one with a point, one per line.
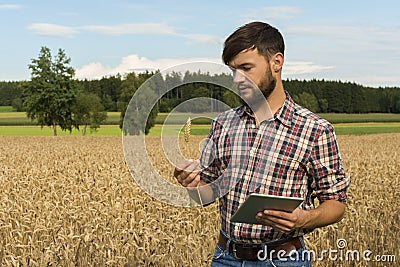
(252, 152)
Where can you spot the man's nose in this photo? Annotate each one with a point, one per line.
(238, 76)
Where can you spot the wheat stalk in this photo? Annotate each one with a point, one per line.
(187, 130)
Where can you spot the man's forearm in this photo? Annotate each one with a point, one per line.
(330, 211)
(203, 194)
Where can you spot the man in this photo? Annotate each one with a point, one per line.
(305, 161)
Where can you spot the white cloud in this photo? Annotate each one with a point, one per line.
(10, 6)
(48, 29)
(121, 29)
(54, 30)
(303, 67)
(375, 81)
(138, 64)
(132, 28)
(92, 71)
(134, 63)
(310, 70)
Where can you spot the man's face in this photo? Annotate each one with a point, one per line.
(249, 63)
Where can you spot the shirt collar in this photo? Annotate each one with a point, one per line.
(244, 110)
(284, 114)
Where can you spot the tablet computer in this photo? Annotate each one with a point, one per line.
(255, 202)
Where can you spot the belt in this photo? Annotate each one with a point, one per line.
(251, 252)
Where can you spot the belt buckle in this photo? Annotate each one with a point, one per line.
(234, 251)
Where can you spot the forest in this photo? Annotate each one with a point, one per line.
(317, 95)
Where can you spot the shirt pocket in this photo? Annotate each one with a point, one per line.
(286, 177)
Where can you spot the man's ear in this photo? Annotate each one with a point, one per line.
(277, 62)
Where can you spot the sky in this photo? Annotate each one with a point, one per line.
(351, 41)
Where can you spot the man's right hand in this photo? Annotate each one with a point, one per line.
(187, 173)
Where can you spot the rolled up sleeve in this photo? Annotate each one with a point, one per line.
(329, 178)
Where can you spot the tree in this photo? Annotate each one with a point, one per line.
(17, 105)
(201, 104)
(231, 99)
(51, 92)
(138, 113)
(9, 91)
(88, 111)
(323, 105)
(307, 100)
(110, 88)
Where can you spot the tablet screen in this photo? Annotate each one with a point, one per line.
(247, 212)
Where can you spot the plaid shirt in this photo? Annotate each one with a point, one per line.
(295, 153)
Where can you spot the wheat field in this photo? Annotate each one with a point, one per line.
(71, 201)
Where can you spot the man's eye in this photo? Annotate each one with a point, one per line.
(246, 68)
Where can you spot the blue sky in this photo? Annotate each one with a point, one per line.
(357, 41)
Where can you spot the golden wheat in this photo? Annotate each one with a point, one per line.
(70, 201)
(187, 130)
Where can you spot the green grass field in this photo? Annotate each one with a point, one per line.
(178, 118)
(10, 118)
(17, 124)
(368, 117)
(6, 109)
(171, 130)
(366, 128)
(331, 117)
(104, 130)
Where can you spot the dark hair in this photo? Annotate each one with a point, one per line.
(267, 39)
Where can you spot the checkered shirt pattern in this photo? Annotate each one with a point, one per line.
(295, 153)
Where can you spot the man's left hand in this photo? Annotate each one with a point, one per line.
(328, 212)
(283, 221)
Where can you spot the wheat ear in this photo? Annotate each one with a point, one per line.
(187, 130)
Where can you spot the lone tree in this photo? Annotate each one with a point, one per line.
(88, 111)
(51, 93)
(138, 113)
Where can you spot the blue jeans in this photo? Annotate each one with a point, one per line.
(222, 258)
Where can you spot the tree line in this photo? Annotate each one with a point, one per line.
(317, 95)
(53, 97)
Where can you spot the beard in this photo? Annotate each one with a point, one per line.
(266, 86)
